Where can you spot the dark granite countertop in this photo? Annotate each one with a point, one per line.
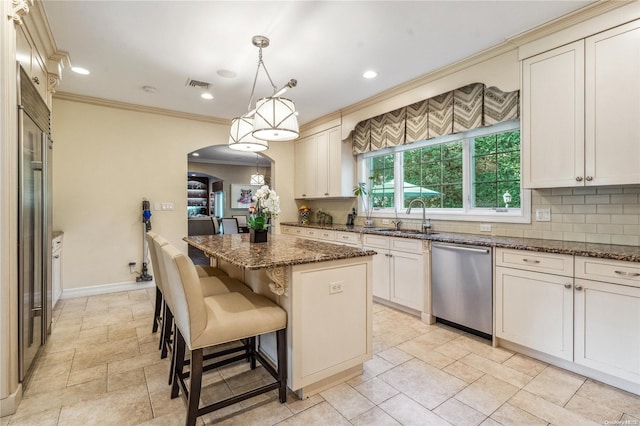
(603, 251)
(280, 250)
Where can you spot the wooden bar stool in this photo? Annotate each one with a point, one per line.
(207, 321)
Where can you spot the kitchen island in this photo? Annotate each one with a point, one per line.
(326, 290)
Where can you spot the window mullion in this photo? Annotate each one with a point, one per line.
(467, 176)
(398, 185)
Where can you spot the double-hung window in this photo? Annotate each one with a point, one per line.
(473, 175)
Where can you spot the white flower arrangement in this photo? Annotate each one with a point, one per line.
(267, 206)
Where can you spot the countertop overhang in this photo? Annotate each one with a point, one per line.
(279, 251)
(603, 251)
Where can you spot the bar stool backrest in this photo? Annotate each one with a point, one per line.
(155, 263)
(189, 311)
(158, 242)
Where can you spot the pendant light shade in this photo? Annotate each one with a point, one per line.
(240, 138)
(275, 120)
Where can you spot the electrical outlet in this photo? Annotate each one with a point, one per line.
(485, 227)
(166, 205)
(385, 221)
(543, 215)
(335, 287)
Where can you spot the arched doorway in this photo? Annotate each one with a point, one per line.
(224, 172)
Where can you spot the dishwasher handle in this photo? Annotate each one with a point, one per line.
(462, 248)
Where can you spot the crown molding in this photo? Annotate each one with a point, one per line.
(18, 9)
(138, 108)
(509, 44)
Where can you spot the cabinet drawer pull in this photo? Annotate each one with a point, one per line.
(535, 262)
(345, 237)
(57, 256)
(567, 286)
(627, 274)
(578, 287)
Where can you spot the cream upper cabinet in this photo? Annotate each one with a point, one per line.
(580, 108)
(612, 96)
(553, 118)
(323, 166)
(30, 60)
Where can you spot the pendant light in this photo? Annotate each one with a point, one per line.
(273, 119)
(257, 178)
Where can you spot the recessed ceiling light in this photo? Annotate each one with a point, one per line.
(370, 74)
(195, 154)
(80, 70)
(206, 95)
(226, 73)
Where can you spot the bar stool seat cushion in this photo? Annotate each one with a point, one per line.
(235, 316)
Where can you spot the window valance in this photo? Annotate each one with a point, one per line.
(459, 110)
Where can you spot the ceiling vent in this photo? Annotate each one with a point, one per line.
(198, 84)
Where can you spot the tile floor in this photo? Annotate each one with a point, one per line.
(101, 366)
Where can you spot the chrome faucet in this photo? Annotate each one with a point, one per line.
(396, 222)
(426, 223)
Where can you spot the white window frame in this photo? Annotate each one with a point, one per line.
(467, 213)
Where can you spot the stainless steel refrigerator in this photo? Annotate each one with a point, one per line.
(34, 222)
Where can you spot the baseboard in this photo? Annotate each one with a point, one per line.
(9, 405)
(105, 288)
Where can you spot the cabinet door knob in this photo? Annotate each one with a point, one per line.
(589, 178)
(567, 286)
(578, 178)
(578, 287)
(326, 193)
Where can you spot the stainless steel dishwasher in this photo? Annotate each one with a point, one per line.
(461, 286)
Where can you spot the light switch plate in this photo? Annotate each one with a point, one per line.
(543, 215)
(485, 227)
(385, 221)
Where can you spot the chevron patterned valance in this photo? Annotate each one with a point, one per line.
(465, 108)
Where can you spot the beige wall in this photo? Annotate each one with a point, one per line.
(106, 160)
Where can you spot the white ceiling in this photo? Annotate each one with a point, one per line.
(325, 45)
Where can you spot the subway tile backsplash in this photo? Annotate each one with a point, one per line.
(608, 215)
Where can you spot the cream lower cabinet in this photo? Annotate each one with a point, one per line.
(534, 300)
(398, 270)
(535, 310)
(586, 312)
(607, 317)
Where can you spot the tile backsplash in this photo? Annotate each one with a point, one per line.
(609, 215)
